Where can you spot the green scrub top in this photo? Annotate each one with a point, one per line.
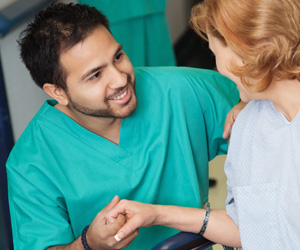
(141, 27)
(60, 175)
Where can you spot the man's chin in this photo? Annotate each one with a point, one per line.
(124, 114)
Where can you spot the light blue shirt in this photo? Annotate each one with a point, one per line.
(263, 178)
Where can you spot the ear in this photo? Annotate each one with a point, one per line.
(56, 93)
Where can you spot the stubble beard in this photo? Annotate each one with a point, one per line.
(108, 112)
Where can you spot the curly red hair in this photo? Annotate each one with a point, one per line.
(265, 34)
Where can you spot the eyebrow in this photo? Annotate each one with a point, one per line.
(95, 69)
(120, 47)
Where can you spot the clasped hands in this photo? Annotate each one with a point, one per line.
(116, 226)
(136, 214)
(102, 231)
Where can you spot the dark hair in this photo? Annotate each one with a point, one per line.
(53, 31)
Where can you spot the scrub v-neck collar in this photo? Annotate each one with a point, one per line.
(98, 143)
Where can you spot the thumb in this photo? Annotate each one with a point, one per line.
(129, 227)
(111, 204)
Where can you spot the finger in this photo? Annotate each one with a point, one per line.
(111, 204)
(226, 132)
(119, 222)
(129, 227)
(110, 219)
(106, 231)
(114, 212)
(114, 227)
(228, 124)
(127, 240)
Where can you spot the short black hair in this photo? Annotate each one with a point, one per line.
(54, 30)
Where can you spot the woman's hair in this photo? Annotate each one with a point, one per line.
(52, 32)
(265, 34)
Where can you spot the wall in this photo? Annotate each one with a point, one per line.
(24, 97)
(178, 12)
(5, 3)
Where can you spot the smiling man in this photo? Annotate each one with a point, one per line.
(100, 83)
(144, 134)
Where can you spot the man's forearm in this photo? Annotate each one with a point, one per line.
(75, 245)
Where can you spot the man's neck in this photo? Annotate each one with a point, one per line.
(108, 128)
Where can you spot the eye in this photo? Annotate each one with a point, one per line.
(118, 57)
(95, 76)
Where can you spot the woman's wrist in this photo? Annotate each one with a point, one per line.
(160, 216)
(180, 218)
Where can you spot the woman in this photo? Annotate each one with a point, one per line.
(257, 45)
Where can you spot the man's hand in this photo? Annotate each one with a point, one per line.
(231, 116)
(137, 214)
(100, 235)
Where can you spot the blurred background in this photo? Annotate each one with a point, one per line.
(20, 98)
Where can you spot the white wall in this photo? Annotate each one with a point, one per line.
(24, 97)
(4, 3)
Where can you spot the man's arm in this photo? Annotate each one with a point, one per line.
(100, 235)
(75, 245)
(108, 243)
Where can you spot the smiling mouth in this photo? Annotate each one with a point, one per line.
(120, 96)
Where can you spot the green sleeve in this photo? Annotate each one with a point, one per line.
(141, 27)
(121, 10)
(217, 100)
(39, 216)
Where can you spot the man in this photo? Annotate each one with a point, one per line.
(93, 141)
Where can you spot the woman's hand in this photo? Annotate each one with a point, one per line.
(137, 214)
(100, 234)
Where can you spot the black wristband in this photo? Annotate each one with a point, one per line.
(83, 239)
(206, 217)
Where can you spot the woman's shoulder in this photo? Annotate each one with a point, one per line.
(248, 117)
(253, 108)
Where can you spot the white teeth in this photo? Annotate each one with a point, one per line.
(120, 96)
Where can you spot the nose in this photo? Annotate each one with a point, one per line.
(118, 78)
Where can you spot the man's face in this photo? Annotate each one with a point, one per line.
(100, 78)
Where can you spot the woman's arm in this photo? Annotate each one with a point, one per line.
(220, 229)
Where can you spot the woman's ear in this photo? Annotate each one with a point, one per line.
(56, 93)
